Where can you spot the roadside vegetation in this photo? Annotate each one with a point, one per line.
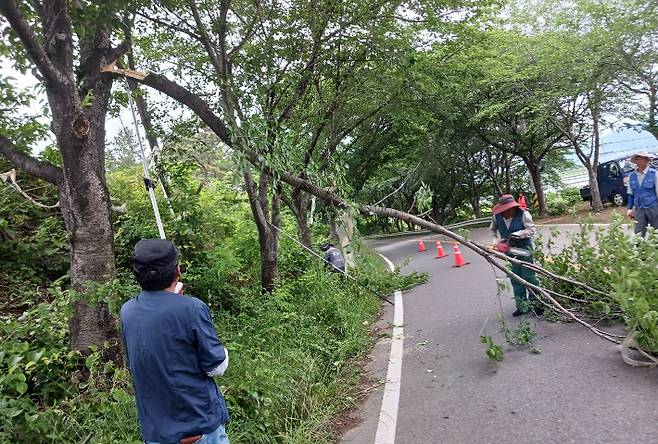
(324, 120)
(295, 352)
(613, 260)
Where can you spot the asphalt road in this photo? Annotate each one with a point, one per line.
(578, 390)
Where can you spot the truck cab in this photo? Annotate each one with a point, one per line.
(613, 180)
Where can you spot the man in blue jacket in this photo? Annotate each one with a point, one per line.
(173, 353)
(333, 258)
(643, 194)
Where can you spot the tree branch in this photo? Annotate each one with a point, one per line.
(256, 209)
(204, 38)
(306, 73)
(43, 170)
(179, 94)
(35, 51)
(118, 51)
(356, 123)
(170, 25)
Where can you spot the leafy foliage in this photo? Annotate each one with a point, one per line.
(494, 351)
(612, 259)
(559, 202)
(311, 330)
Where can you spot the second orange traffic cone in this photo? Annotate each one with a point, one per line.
(459, 259)
(421, 246)
(439, 250)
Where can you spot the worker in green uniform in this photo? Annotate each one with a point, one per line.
(516, 228)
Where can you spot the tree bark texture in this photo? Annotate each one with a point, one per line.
(268, 237)
(535, 175)
(78, 99)
(299, 204)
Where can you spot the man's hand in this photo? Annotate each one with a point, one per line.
(630, 214)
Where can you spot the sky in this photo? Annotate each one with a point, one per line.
(625, 142)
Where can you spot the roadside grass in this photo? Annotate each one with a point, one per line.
(295, 357)
(582, 213)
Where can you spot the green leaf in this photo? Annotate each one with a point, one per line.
(21, 387)
(15, 359)
(120, 395)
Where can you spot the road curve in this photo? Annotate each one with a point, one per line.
(576, 391)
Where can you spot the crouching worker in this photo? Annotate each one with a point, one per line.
(333, 258)
(516, 229)
(173, 352)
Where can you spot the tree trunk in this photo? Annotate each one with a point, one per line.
(84, 197)
(269, 246)
(474, 197)
(597, 203)
(592, 166)
(331, 217)
(438, 210)
(345, 232)
(299, 204)
(538, 183)
(267, 223)
(85, 204)
(475, 203)
(508, 174)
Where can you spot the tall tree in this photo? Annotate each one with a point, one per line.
(496, 90)
(257, 65)
(630, 29)
(580, 90)
(66, 44)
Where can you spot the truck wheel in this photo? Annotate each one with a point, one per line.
(617, 199)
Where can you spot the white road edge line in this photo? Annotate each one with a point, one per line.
(388, 415)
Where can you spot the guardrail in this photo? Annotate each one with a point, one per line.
(473, 223)
(483, 221)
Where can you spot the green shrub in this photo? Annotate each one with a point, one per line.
(613, 260)
(559, 202)
(294, 352)
(294, 356)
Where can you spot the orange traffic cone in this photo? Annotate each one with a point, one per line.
(459, 259)
(421, 246)
(439, 250)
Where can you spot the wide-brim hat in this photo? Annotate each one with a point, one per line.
(644, 154)
(505, 202)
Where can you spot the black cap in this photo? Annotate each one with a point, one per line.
(154, 255)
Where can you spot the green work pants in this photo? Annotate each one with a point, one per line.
(522, 295)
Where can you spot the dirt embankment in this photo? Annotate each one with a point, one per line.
(584, 214)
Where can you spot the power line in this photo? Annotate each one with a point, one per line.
(637, 148)
(626, 140)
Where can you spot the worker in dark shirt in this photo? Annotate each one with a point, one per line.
(333, 258)
(173, 353)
